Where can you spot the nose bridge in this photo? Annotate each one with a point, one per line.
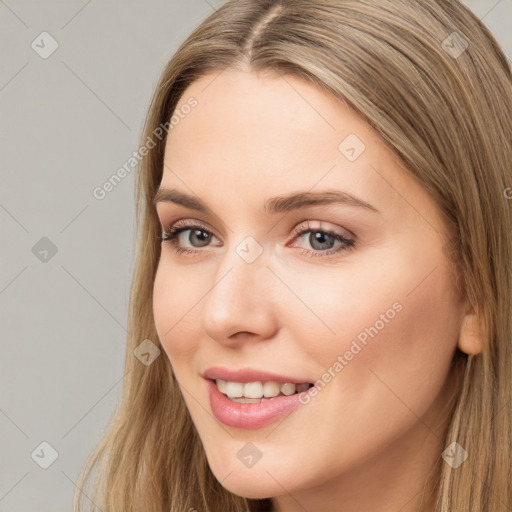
(235, 301)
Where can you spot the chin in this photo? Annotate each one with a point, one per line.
(249, 487)
(254, 483)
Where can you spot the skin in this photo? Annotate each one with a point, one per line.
(368, 439)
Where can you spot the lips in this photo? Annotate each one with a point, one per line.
(251, 415)
(250, 375)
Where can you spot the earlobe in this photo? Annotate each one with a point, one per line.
(470, 337)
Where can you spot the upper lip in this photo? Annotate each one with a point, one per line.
(248, 375)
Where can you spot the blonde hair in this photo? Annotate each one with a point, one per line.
(446, 110)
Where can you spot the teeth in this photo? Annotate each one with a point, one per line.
(234, 389)
(271, 389)
(248, 400)
(221, 384)
(288, 389)
(251, 392)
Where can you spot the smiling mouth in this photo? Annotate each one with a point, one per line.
(258, 391)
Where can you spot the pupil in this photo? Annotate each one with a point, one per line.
(201, 235)
(318, 237)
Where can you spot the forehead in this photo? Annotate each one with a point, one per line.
(262, 134)
(266, 113)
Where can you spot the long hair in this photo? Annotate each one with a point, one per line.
(432, 81)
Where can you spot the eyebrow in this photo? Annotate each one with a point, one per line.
(274, 205)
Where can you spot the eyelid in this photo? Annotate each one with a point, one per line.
(174, 218)
(301, 226)
(187, 223)
(306, 226)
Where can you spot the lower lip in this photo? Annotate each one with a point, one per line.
(250, 416)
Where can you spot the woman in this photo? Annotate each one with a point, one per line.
(325, 267)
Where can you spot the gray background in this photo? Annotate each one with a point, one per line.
(68, 122)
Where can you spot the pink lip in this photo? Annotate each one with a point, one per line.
(248, 375)
(250, 416)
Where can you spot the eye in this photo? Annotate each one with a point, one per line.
(321, 240)
(198, 236)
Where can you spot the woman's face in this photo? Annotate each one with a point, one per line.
(353, 293)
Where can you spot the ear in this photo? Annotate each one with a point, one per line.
(470, 337)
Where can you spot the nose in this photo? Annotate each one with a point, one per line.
(239, 304)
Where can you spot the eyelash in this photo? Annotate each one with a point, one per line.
(170, 235)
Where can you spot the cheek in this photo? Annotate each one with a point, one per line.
(174, 297)
(403, 352)
(420, 344)
(392, 328)
(332, 311)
